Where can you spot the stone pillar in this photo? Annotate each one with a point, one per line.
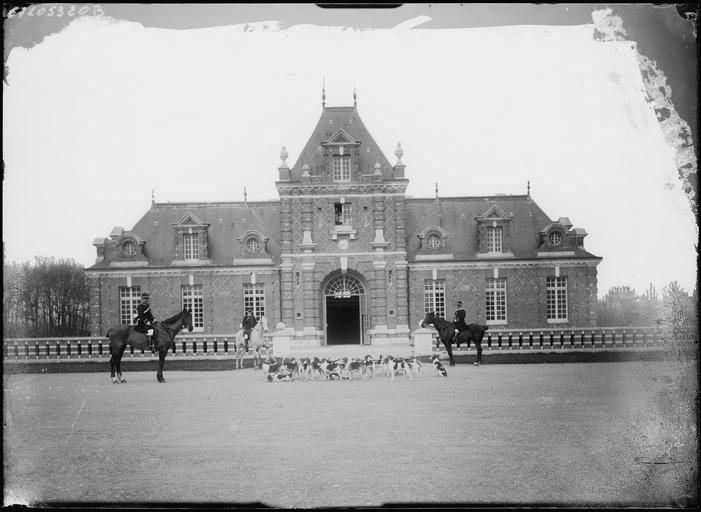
(287, 292)
(286, 225)
(281, 341)
(400, 224)
(378, 294)
(423, 342)
(310, 293)
(95, 306)
(401, 286)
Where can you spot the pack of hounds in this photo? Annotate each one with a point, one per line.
(307, 368)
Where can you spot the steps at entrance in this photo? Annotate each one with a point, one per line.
(355, 350)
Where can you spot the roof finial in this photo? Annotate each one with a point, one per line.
(528, 192)
(355, 101)
(436, 190)
(153, 195)
(245, 195)
(323, 92)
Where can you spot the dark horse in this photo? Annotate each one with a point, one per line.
(446, 333)
(122, 335)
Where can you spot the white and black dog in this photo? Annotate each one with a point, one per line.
(438, 368)
(397, 365)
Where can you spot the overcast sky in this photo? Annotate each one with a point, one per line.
(101, 113)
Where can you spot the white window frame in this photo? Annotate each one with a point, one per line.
(129, 248)
(494, 239)
(191, 249)
(346, 214)
(254, 298)
(249, 242)
(341, 168)
(495, 301)
(129, 299)
(433, 236)
(555, 235)
(193, 298)
(434, 297)
(556, 299)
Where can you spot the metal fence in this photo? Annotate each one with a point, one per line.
(223, 345)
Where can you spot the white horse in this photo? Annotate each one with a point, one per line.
(257, 343)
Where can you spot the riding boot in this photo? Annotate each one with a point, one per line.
(150, 342)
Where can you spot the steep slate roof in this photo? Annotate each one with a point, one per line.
(457, 215)
(228, 221)
(332, 119)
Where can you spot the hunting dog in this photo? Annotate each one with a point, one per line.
(438, 368)
(398, 365)
(271, 367)
(415, 365)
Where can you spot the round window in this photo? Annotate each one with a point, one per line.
(253, 245)
(129, 248)
(434, 241)
(555, 238)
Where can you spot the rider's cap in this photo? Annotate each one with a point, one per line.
(459, 303)
(144, 295)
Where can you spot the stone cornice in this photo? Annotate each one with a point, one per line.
(457, 265)
(178, 272)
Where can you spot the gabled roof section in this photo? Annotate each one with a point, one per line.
(340, 137)
(460, 216)
(495, 213)
(189, 220)
(334, 123)
(226, 222)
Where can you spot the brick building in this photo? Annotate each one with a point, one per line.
(343, 256)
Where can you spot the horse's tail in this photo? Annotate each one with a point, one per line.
(485, 327)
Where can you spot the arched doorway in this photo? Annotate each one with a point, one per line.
(344, 310)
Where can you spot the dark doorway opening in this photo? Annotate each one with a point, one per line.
(343, 320)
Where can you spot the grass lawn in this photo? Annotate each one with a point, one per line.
(578, 434)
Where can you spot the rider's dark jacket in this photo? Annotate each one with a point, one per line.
(459, 320)
(145, 318)
(248, 323)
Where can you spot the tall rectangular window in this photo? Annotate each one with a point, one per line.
(129, 298)
(341, 168)
(557, 298)
(344, 214)
(494, 239)
(495, 298)
(190, 246)
(254, 298)
(194, 300)
(434, 297)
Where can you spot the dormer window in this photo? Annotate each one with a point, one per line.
(190, 241)
(555, 238)
(341, 168)
(129, 248)
(253, 245)
(494, 233)
(494, 239)
(190, 246)
(433, 241)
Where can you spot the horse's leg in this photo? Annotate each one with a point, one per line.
(478, 345)
(118, 363)
(450, 352)
(113, 366)
(161, 360)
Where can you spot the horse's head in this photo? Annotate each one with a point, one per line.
(429, 320)
(187, 319)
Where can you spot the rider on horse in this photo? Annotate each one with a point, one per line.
(459, 320)
(247, 324)
(145, 320)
